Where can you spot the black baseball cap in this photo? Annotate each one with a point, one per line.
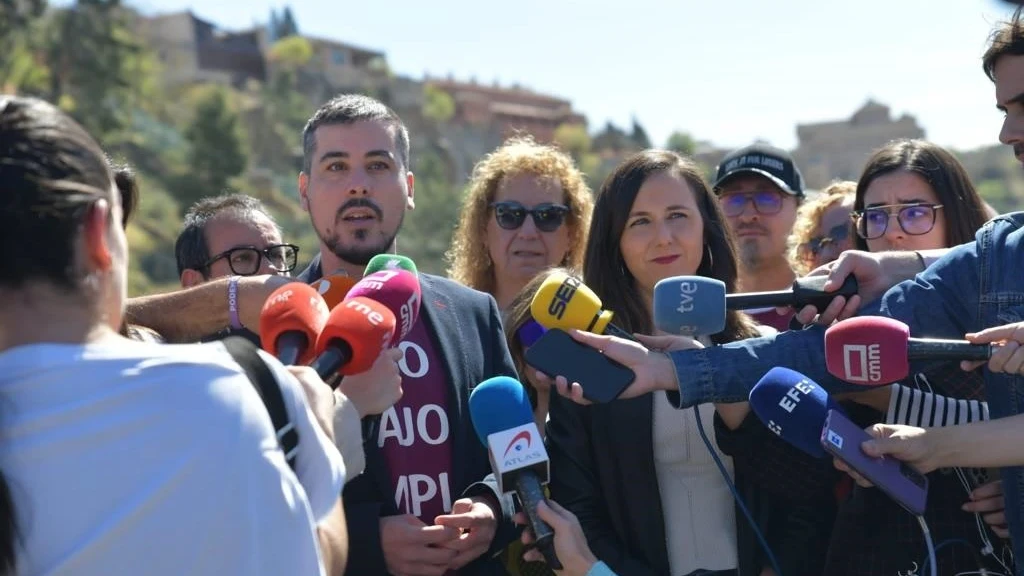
(773, 163)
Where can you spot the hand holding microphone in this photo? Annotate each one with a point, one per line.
(1008, 357)
(570, 542)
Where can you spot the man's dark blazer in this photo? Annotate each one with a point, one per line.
(465, 328)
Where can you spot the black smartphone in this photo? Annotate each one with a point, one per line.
(557, 354)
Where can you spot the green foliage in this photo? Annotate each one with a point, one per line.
(438, 105)
(95, 76)
(291, 52)
(682, 143)
(216, 148)
(427, 231)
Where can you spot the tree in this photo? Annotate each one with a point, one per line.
(639, 135)
(216, 148)
(612, 138)
(96, 65)
(682, 143)
(19, 31)
(427, 232)
(287, 26)
(438, 105)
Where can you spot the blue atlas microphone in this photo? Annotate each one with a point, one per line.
(794, 407)
(689, 305)
(503, 420)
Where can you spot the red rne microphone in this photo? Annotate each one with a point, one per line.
(876, 351)
(356, 332)
(290, 322)
(334, 288)
(399, 291)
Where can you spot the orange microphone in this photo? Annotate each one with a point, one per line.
(356, 332)
(291, 321)
(334, 287)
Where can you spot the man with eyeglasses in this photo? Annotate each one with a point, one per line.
(759, 189)
(231, 236)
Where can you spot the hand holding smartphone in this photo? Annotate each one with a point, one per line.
(557, 354)
(842, 438)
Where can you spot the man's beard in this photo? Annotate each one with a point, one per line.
(361, 255)
(749, 254)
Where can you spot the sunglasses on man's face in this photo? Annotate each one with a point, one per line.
(510, 215)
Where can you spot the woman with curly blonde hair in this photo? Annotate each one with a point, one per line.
(527, 209)
(823, 229)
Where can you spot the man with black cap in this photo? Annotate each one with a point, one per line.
(759, 188)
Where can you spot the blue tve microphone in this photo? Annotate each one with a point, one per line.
(695, 305)
(689, 305)
(503, 420)
(794, 407)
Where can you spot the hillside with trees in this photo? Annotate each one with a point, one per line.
(191, 141)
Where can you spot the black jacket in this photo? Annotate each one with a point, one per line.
(465, 326)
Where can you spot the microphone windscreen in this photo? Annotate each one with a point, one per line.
(868, 350)
(564, 302)
(334, 288)
(294, 307)
(498, 404)
(365, 325)
(399, 291)
(792, 406)
(689, 305)
(390, 262)
(530, 332)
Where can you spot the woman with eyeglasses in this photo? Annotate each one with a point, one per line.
(527, 209)
(915, 195)
(823, 229)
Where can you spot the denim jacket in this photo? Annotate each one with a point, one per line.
(975, 286)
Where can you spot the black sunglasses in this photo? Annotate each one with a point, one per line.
(246, 260)
(510, 215)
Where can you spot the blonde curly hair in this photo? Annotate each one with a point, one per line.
(808, 220)
(469, 260)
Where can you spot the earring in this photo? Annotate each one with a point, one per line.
(711, 258)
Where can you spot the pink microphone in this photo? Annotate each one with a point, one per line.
(399, 291)
(876, 351)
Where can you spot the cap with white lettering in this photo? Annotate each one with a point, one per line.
(772, 163)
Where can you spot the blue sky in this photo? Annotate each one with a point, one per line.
(726, 71)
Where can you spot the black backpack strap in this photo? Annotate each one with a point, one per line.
(263, 380)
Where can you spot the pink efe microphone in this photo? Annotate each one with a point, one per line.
(876, 351)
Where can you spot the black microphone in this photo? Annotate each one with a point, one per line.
(809, 290)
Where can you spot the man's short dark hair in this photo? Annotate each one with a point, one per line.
(190, 249)
(128, 186)
(349, 109)
(1006, 40)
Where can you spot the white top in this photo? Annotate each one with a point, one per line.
(698, 508)
(139, 458)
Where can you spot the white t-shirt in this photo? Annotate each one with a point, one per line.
(138, 458)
